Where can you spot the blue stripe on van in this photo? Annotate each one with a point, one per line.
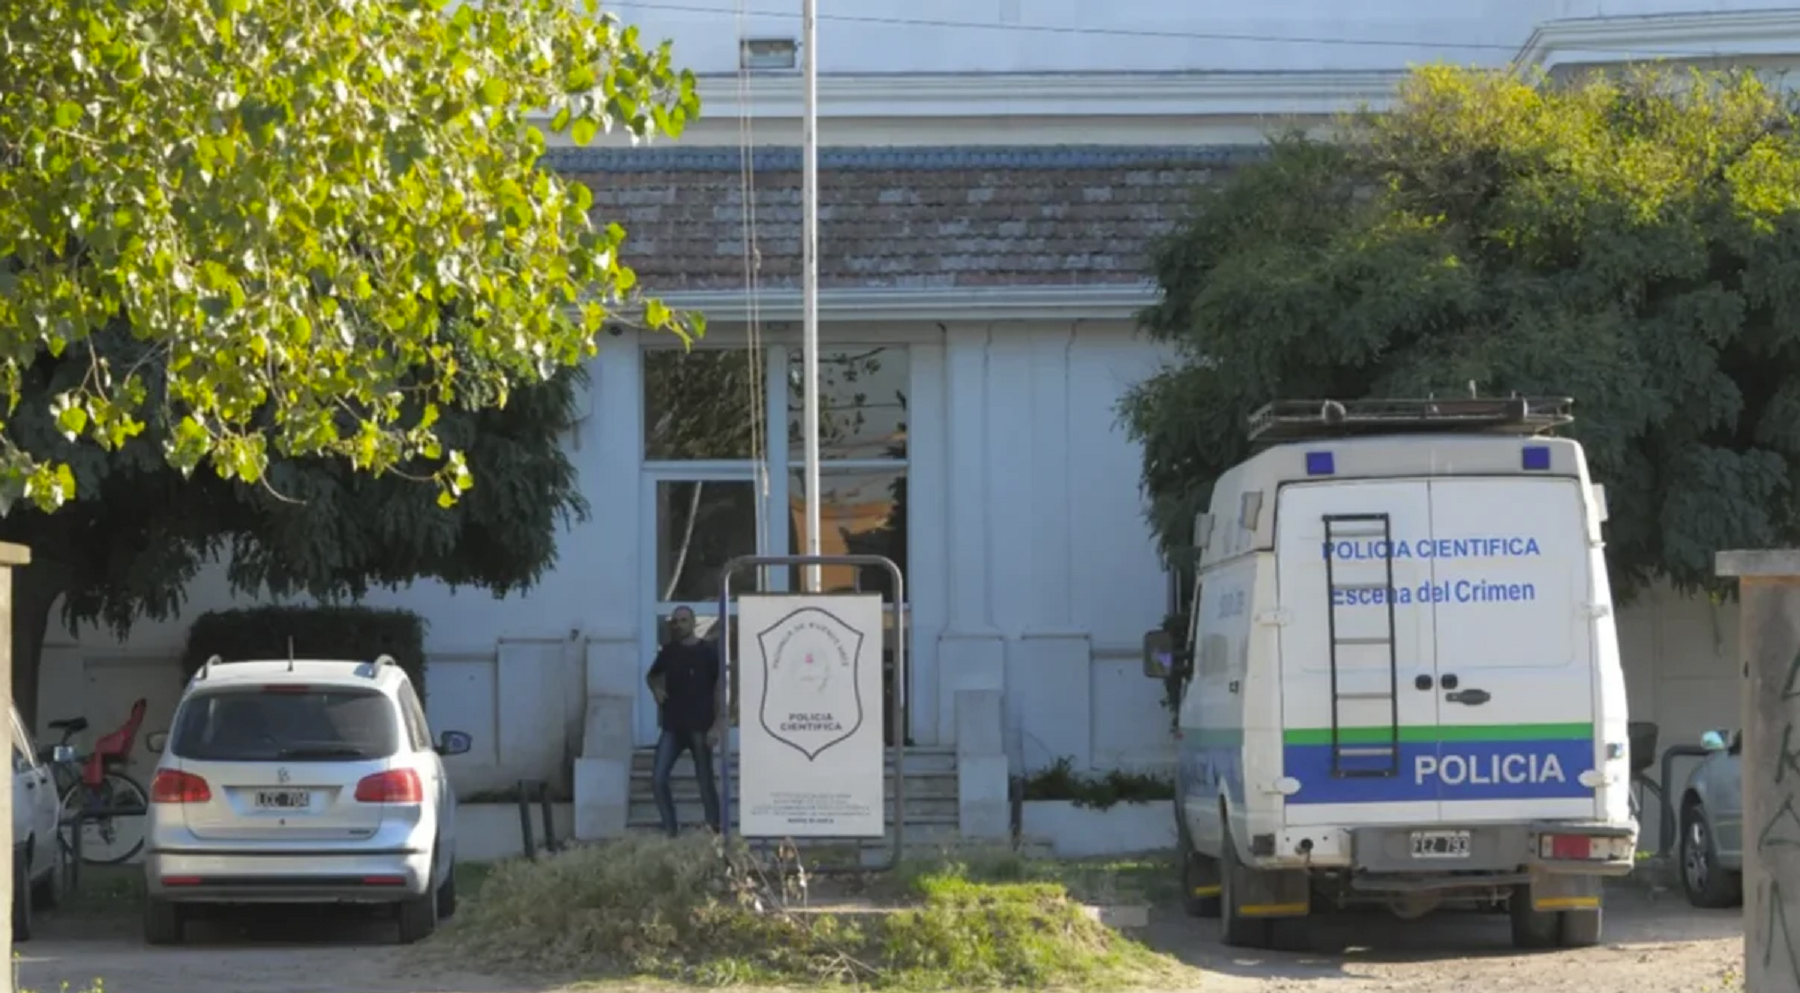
(1541, 769)
(1208, 760)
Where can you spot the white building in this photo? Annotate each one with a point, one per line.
(991, 177)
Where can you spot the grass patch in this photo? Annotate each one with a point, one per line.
(1146, 878)
(694, 910)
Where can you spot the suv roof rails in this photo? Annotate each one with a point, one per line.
(372, 670)
(1308, 420)
(206, 669)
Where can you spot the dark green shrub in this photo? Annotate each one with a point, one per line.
(359, 633)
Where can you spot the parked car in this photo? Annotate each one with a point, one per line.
(311, 781)
(1711, 847)
(40, 862)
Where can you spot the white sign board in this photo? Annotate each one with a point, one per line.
(810, 716)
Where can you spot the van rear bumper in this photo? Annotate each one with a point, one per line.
(1413, 857)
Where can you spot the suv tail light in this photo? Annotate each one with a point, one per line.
(174, 786)
(393, 786)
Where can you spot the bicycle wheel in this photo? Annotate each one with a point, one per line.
(115, 838)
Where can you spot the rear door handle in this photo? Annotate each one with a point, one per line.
(1471, 697)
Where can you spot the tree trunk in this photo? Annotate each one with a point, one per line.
(35, 589)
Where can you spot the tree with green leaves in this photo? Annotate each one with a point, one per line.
(1631, 240)
(139, 531)
(312, 226)
(307, 249)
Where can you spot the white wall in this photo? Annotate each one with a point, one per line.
(1052, 574)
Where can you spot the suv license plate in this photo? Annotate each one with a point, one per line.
(283, 799)
(1440, 844)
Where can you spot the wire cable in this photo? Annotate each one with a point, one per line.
(884, 20)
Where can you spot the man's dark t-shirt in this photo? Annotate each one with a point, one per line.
(691, 676)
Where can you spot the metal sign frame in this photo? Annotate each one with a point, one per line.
(896, 704)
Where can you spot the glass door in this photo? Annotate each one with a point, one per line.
(697, 522)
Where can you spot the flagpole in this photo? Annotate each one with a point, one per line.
(809, 277)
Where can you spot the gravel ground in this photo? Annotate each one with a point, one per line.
(1654, 945)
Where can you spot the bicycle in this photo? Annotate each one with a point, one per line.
(97, 793)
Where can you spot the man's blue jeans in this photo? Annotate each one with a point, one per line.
(668, 750)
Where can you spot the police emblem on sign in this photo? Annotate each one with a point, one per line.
(811, 699)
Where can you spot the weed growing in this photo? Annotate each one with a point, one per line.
(695, 910)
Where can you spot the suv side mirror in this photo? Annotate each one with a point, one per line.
(156, 741)
(454, 743)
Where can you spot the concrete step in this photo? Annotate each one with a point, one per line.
(935, 760)
(642, 812)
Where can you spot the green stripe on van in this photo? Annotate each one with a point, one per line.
(1460, 732)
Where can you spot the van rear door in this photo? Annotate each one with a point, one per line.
(1358, 662)
(1516, 681)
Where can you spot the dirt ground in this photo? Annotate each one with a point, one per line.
(1654, 945)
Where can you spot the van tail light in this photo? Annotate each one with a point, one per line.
(393, 786)
(1577, 847)
(174, 786)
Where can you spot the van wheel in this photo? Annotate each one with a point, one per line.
(1532, 928)
(1234, 928)
(1199, 879)
(1706, 883)
(1200, 886)
(1582, 928)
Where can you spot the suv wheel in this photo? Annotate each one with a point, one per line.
(22, 902)
(164, 922)
(418, 915)
(1706, 883)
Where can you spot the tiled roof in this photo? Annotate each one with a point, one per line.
(893, 218)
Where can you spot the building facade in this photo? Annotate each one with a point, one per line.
(990, 186)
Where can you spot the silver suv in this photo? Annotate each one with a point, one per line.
(300, 781)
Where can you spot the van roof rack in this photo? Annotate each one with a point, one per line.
(1306, 420)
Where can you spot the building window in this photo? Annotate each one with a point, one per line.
(703, 405)
(701, 524)
(863, 457)
(862, 405)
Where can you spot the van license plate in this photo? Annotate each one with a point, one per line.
(1440, 844)
(284, 799)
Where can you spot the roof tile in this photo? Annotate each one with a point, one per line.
(897, 217)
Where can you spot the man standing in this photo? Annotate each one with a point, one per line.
(690, 702)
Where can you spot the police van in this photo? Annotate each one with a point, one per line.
(1401, 679)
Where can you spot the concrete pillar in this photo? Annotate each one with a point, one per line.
(11, 557)
(1769, 647)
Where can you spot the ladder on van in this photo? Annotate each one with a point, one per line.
(1378, 759)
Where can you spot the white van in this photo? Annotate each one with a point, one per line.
(1402, 680)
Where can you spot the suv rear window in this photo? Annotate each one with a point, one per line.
(286, 724)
